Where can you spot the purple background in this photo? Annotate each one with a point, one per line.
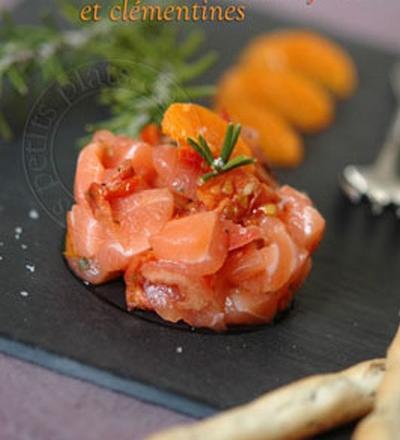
(39, 404)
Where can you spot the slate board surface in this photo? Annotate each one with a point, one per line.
(346, 312)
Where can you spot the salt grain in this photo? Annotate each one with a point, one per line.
(33, 214)
(1, 243)
(24, 247)
(24, 293)
(18, 232)
(30, 267)
(179, 350)
(1, 258)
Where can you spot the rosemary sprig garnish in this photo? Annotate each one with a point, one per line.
(223, 163)
(161, 64)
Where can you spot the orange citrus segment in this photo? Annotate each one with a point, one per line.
(182, 121)
(279, 141)
(308, 53)
(298, 99)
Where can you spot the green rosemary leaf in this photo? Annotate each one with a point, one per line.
(193, 70)
(69, 11)
(227, 146)
(7, 23)
(192, 43)
(199, 149)
(206, 177)
(234, 163)
(237, 162)
(5, 130)
(52, 69)
(221, 164)
(207, 150)
(195, 92)
(163, 70)
(235, 135)
(17, 80)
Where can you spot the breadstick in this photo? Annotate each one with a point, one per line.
(384, 422)
(296, 411)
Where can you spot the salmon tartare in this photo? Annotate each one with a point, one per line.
(199, 231)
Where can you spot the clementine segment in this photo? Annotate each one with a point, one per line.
(307, 53)
(301, 101)
(182, 121)
(280, 143)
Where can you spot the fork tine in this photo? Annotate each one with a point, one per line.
(353, 183)
(379, 181)
(379, 200)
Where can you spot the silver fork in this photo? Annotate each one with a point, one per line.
(380, 181)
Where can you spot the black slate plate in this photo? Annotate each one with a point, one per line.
(346, 312)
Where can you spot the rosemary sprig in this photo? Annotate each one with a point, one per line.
(161, 64)
(223, 163)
